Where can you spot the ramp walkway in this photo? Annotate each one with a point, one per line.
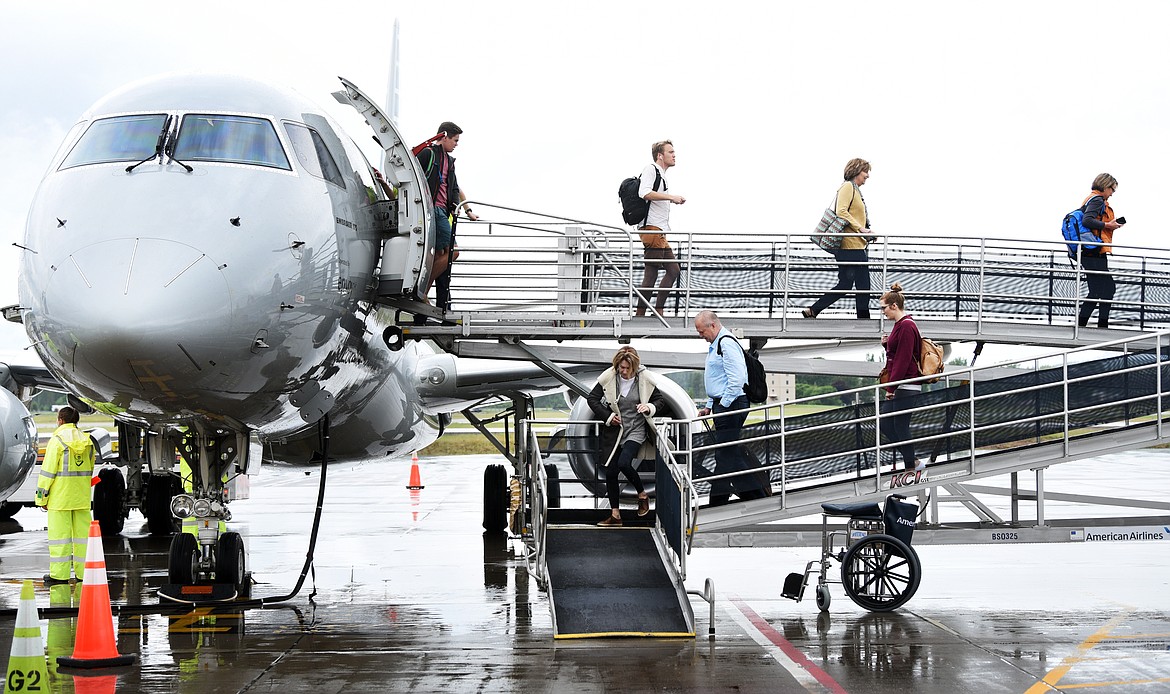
(531, 276)
(964, 427)
(613, 582)
(605, 582)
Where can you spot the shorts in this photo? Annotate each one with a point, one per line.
(442, 230)
(650, 239)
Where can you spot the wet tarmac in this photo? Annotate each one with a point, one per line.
(408, 595)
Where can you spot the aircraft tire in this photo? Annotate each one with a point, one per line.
(880, 572)
(8, 510)
(184, 559)
(108, 497)
(495, 499)
(554, 485)
(160, 488)
(229, 560)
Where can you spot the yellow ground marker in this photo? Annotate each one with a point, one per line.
(1049, 682)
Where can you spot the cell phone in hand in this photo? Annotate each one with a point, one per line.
(1121, 220)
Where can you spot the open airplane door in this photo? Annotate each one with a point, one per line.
(408, 249)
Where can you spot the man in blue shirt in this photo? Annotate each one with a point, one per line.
(724, 377)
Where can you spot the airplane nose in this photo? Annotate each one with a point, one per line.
(138, 297)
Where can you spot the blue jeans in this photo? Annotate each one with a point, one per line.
(442, 230)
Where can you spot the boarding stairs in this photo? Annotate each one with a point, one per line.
(541, 290)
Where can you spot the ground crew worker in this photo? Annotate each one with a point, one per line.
(64, 490)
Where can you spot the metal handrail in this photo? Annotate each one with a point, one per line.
(963, 374)
(789, 267)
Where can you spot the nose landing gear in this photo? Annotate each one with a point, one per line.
(207, 562)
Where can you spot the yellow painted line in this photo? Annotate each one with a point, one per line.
(649, 634)
(1112, 684)
(1054, 675)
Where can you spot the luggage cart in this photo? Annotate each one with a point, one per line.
(879, 569)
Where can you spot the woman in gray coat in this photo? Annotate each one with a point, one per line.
(626, 398)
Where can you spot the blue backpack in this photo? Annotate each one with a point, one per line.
(1074, 230)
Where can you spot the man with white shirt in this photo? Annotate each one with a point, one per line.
(658, 254)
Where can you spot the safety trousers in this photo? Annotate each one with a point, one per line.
(68, 537)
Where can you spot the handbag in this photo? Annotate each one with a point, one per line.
(823, 234)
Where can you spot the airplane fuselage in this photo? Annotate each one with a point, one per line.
(225, 280)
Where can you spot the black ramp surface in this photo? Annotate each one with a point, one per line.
(610, 581)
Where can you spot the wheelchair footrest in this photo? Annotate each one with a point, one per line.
(793, 587)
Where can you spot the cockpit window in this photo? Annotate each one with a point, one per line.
(232, 139)
(122, 138)
(312, 153)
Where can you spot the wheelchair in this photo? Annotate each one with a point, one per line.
(879, 569)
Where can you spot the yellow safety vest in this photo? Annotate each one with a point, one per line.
(64, 484)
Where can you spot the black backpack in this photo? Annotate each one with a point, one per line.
(634, 207)
(756, 387)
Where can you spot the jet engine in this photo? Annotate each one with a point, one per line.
(18, 440)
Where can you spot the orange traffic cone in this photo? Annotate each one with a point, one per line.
(95, 647)
(415, 482)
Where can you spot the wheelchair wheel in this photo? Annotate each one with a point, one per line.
(823, 598)
(880, 572)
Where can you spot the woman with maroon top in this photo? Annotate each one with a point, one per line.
(903, 345)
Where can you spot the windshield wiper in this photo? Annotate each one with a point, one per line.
(170, 150)
(158, 146)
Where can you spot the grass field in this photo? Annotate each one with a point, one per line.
(47, 421)
(460, 439)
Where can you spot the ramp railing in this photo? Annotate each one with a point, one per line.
(675, 500)
(970, 413)
(526, 265)
(534, 498)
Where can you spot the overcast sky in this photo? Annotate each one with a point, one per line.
(980, 119)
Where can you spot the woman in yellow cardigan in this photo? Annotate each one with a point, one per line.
(852, 258)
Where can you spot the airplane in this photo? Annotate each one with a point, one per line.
(211, 260)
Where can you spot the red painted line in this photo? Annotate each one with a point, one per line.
(786, 646)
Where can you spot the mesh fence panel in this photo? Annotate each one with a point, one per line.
(1014, 410)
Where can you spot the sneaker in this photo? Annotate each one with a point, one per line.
(643, 505)
(610, 522)
(919, 466)
(808, 313)
(50, 581)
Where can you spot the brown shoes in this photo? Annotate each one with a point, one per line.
(808, 313)
(643, 505)
(610, 522)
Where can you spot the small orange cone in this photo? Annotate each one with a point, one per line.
(95, 647)
(415, 482)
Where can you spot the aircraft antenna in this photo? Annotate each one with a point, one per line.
(392, 88)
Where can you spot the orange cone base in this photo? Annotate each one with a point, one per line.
(415, 480)
(93, 663)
